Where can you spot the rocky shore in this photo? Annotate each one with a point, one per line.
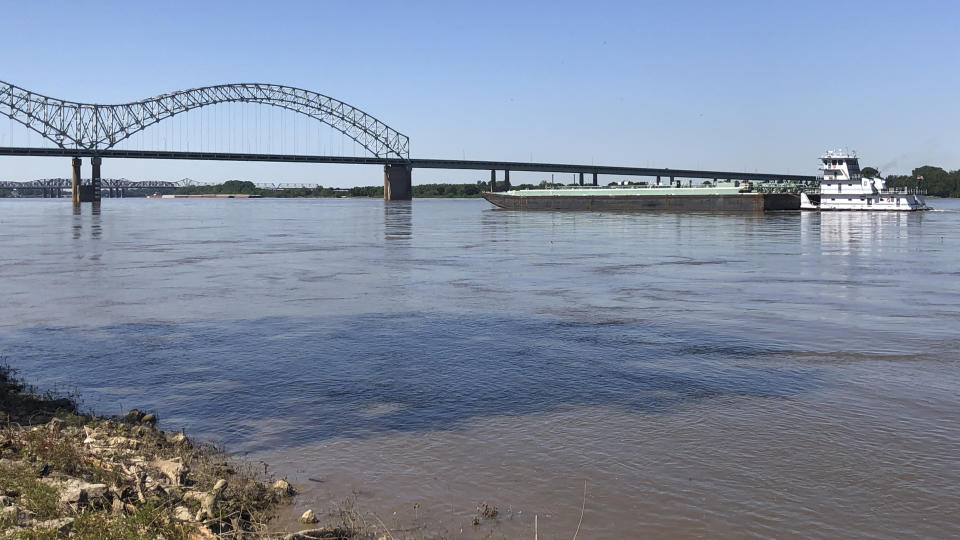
(68, 474)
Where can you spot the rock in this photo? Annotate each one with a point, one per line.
(118, 492)
(9, 514)
(152, 484)
(123, 442)
(118, 507)
(16, 515)
(76, 493)
(149, 420)
(173, 469)
(308, 517)
(202, 533)
(177, 438)
(71, 495)
(61, 525)
(91, 436)
(208, 500)
(283, 488)
(5, 501)
(182, 513)
(134, 416)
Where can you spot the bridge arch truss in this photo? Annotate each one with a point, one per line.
(90, 126)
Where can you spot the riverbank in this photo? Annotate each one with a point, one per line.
(63, 472)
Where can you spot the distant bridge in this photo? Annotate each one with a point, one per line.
(64, 183)
(114, 187)
(118, 186)
(91, 130)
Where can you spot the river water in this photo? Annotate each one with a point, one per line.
(673, 375)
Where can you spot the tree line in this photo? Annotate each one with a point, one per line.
(241, 187)
(936, 181)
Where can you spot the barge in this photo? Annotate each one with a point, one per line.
(207, 196)
(729, 196)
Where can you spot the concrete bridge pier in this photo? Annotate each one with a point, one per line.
(75, 181)
(95, 178)
(581, 179)
(397, 182)
(493, 180)
(506, 180)
(594, 179)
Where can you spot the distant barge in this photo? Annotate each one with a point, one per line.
(207, 196)
(722, 197)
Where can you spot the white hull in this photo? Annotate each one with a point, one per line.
(806, 203)
(882, 202)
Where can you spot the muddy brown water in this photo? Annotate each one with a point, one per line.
(703, 375)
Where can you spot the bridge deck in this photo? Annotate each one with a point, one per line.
(415, 163)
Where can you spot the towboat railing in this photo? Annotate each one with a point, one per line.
(887, 191)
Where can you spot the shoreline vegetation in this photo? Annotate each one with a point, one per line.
(936, 181)
(65, 473)
(249, 188)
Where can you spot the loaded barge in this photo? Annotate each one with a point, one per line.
(723, 197)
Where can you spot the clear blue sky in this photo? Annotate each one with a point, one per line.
(762, 86)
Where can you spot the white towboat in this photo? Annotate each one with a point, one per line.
(844, 188)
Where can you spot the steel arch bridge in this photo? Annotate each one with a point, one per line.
(88, 126)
